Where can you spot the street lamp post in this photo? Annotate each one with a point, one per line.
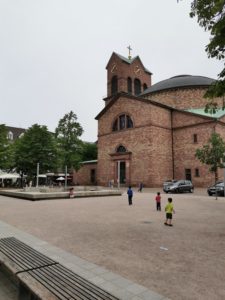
(37, 174)
(65, 177)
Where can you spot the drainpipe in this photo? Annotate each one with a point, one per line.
(118, 174)
(171, 115)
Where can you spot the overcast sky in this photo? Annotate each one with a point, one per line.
(53, 53)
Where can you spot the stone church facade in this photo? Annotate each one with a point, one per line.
(149, 133)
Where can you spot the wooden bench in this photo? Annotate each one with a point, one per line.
(39, 277)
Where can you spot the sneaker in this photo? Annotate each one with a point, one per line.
(170, 224)
(166, 223)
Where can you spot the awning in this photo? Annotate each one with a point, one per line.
(9, 176)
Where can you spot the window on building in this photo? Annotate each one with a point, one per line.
(197, 174)
(121, 149)
(195, 138)
(129, 122)
(188, 174)
(93, 176)
(145, 86)
(122, 122)
(114, 85)
(129, 85)
(10, 136)
(137, 86)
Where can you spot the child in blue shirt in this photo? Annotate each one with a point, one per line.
(130, 195)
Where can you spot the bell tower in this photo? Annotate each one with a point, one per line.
(126, 75)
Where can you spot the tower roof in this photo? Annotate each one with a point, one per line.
(129, 61)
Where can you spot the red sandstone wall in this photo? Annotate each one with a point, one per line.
(83, 175)
(149, 142)
(182, 98)
(143, 114)
(220, 128)
(185, 119)
(184, 152)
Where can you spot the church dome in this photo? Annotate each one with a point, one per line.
(180, 81)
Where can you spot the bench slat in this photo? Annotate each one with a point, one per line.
(22, 255)
(68, 283)
(43, 276)
(74, 278)
(66, 289)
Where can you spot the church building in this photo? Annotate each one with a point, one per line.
(149, 133)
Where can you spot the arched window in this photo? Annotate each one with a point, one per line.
(129, 85)
(137, 86)
(121, 149)
(129, 122)
(122, 122)
(114, 85)
(10, 135)
(145, 86)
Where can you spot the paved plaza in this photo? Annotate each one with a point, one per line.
(184, 262)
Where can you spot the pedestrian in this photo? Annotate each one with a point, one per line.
(158, 201)
(71, 193)
(140, 187)
(130, 195)
(169, 212)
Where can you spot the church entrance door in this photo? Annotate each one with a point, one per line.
(122, 172)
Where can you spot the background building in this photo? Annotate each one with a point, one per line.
(150, 133)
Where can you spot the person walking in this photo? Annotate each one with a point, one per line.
(169, 212)
(130, 195)
(158, 201)
(140, 187)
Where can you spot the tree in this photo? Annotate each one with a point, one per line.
(212, 154)
(211, 15)
(6, 150)
(37, 145)
(70, 146)
(89, 151)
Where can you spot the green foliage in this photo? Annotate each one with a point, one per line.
(212, 154)
(6, 150)
(37, 145)
(211, 15)
(70, 146)
(89, 151)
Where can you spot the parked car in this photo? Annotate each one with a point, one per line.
(216, 189)
(179, 186)
(168, 183)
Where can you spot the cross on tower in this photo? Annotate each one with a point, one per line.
(129, 48)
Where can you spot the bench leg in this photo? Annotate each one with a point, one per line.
(25, 293)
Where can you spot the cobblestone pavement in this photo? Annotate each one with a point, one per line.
(8, 290)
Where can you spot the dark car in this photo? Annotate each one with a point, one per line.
(179, 186)
(216, 189)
